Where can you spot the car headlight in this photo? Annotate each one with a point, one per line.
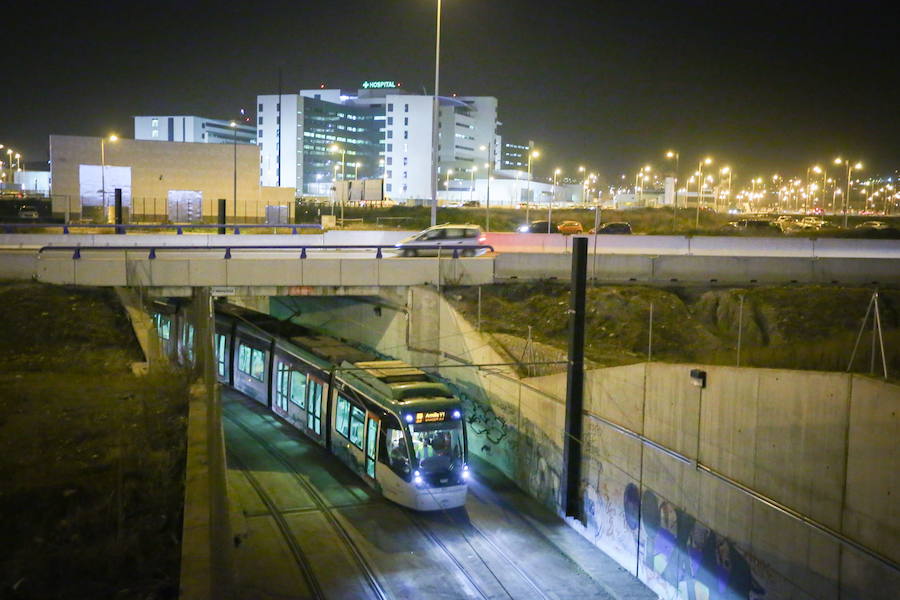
(523, 229)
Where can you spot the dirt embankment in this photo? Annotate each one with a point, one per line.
(794, 327)
(91, 456)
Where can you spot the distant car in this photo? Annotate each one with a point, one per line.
(535, 227)
(752, 225)
(873, 225)
(570, 227)
(28, 212)
(812, 223)
(471, 204)
(443, 238)
(619, 227)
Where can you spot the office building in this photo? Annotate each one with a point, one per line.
(193, 129)
(380, 127)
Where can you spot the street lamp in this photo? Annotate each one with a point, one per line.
(112, 138)
(473, 170)
(334, 148)
(489, 166)
(705, 161)
(850, 168)
(434, 116)
(532, 154)
(552, 198)
(673, 155)
(726, 171)
(447, 181)
(233, 126)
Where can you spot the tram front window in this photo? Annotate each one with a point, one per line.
(438, 446)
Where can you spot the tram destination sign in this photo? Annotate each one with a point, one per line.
(431, 417)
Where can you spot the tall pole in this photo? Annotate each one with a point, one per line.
(847, 196)
(575, 381)
(234, 168)
(102, 176)
(434, 117)
(699, 193)
(528, 190)
(490, 170)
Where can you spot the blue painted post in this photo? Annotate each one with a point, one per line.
(65, 229)
(179, 232)
(303, 253)
(237, 230)
(227, 253)
(77, 254)
(378, 253)
(152, 253)
(456, 253)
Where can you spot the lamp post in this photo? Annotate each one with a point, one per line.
(112, 138)
(447, 180)
(434, 116)
(673, 155)
(552, 198)
(9, 157)
(489, 165)
(343, 151)
(356, 171)
(725, 171)
(705, 161)
(233, 126)
(850, 167)
(531, 155)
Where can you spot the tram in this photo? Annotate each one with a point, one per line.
(399, 430)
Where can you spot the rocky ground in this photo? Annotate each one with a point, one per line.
(91, 455)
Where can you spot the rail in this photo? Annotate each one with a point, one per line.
(152, 249)
(123, 229)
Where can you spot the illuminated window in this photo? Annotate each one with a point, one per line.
(282, 381)
(342, 418)
(154, 133)
(154, 122)
(357, 424)
(221, 354)
(314, 408)
(298, 388)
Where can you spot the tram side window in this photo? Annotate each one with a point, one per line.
(357, 426)
(394, 452)
(163, 326)
(221, 358)
(281, 386)
(342, 418)
(187, 341)
(252, 362)
(314, 406)
(298, 388)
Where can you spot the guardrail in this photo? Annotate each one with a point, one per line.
(123, 229)
(456, 250)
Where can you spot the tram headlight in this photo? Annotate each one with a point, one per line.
(465, 472)
(417, 478)
(409, 418)
(457, 414)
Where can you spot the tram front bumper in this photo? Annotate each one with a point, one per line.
(439, 498)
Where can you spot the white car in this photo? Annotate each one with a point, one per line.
(443, 239)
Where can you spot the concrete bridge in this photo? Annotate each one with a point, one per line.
(277, 265)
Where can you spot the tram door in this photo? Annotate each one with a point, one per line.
(371, 445)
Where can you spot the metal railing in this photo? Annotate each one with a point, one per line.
(451, 252)
(179, 229)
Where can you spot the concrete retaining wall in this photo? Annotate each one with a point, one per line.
(665, 461)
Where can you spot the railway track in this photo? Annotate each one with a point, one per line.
(321, 505)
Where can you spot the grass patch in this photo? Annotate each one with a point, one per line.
(91, 456)
(789, 327)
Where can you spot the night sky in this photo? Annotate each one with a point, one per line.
(762, 86)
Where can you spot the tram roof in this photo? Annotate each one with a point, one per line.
(398, 381)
